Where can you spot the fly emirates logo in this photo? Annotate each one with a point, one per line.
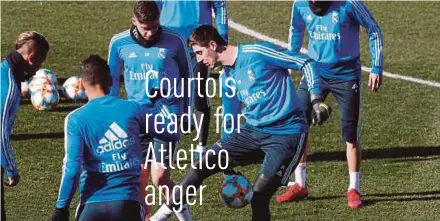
(147, 72)
(321, 33)
(252, 98)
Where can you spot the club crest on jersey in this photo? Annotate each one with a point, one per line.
(251, 76)
(161, 54)
(309, 17)
(335, 17)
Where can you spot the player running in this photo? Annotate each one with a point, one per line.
(184, 17)
(150, 52)
(30, 52)
(275, 123)
(333, 28)
(102, 151)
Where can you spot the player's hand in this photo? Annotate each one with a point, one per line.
(60, 214)
(374, 81)
(13, 181)
(321, 111)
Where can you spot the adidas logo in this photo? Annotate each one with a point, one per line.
(132, 55)
(309, 18)
(114, 139)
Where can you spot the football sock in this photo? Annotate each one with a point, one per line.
(300, 174)
(163, 214)
(184, 214)
(264, 188)
(355, 179)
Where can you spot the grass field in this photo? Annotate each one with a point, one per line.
(400, 124)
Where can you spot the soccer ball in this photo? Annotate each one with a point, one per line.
(73, 89)
(45, 98)
(236, 191)
(47, 74)
(42, 78)
(25, 88)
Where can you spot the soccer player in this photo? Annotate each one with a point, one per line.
(30, 52)
(275, 123)
(102, 151)
(333, 28)
(184, 17)
(150, 52)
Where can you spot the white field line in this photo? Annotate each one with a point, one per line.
(245, 30)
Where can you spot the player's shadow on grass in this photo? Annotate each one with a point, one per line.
(24, 101)
(386, 153)
(37, 136)
(370, 199)
(65, 108)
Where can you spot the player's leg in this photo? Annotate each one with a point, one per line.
(145, 141)
(348, 96)
(201, 104)
(297, 189)
(160, 172)
(300, 171)
(282, 155)
(240, 148)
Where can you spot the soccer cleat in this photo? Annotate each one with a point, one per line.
(354, 199)
(294, 193)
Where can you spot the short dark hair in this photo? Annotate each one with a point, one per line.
(95, 71)
(204, 34)
(146, 11)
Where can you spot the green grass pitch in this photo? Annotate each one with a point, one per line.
(400, 124)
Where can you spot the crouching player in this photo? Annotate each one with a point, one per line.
(275, 123)
(102, 140)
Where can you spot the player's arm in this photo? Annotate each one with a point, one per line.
(74, 148)
(289, 60)
(281, 58)
(221, 18)
(7, 157)
(231, 105)
(116, 64)
(296, 31)
(361, 14)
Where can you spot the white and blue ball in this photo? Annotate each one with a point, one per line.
(48, 74)
(236, 191)
(45, 98)
(73, 89)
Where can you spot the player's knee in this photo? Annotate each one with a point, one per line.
(159, 176)
(263, 183)
(350, 131)
(160, 180)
